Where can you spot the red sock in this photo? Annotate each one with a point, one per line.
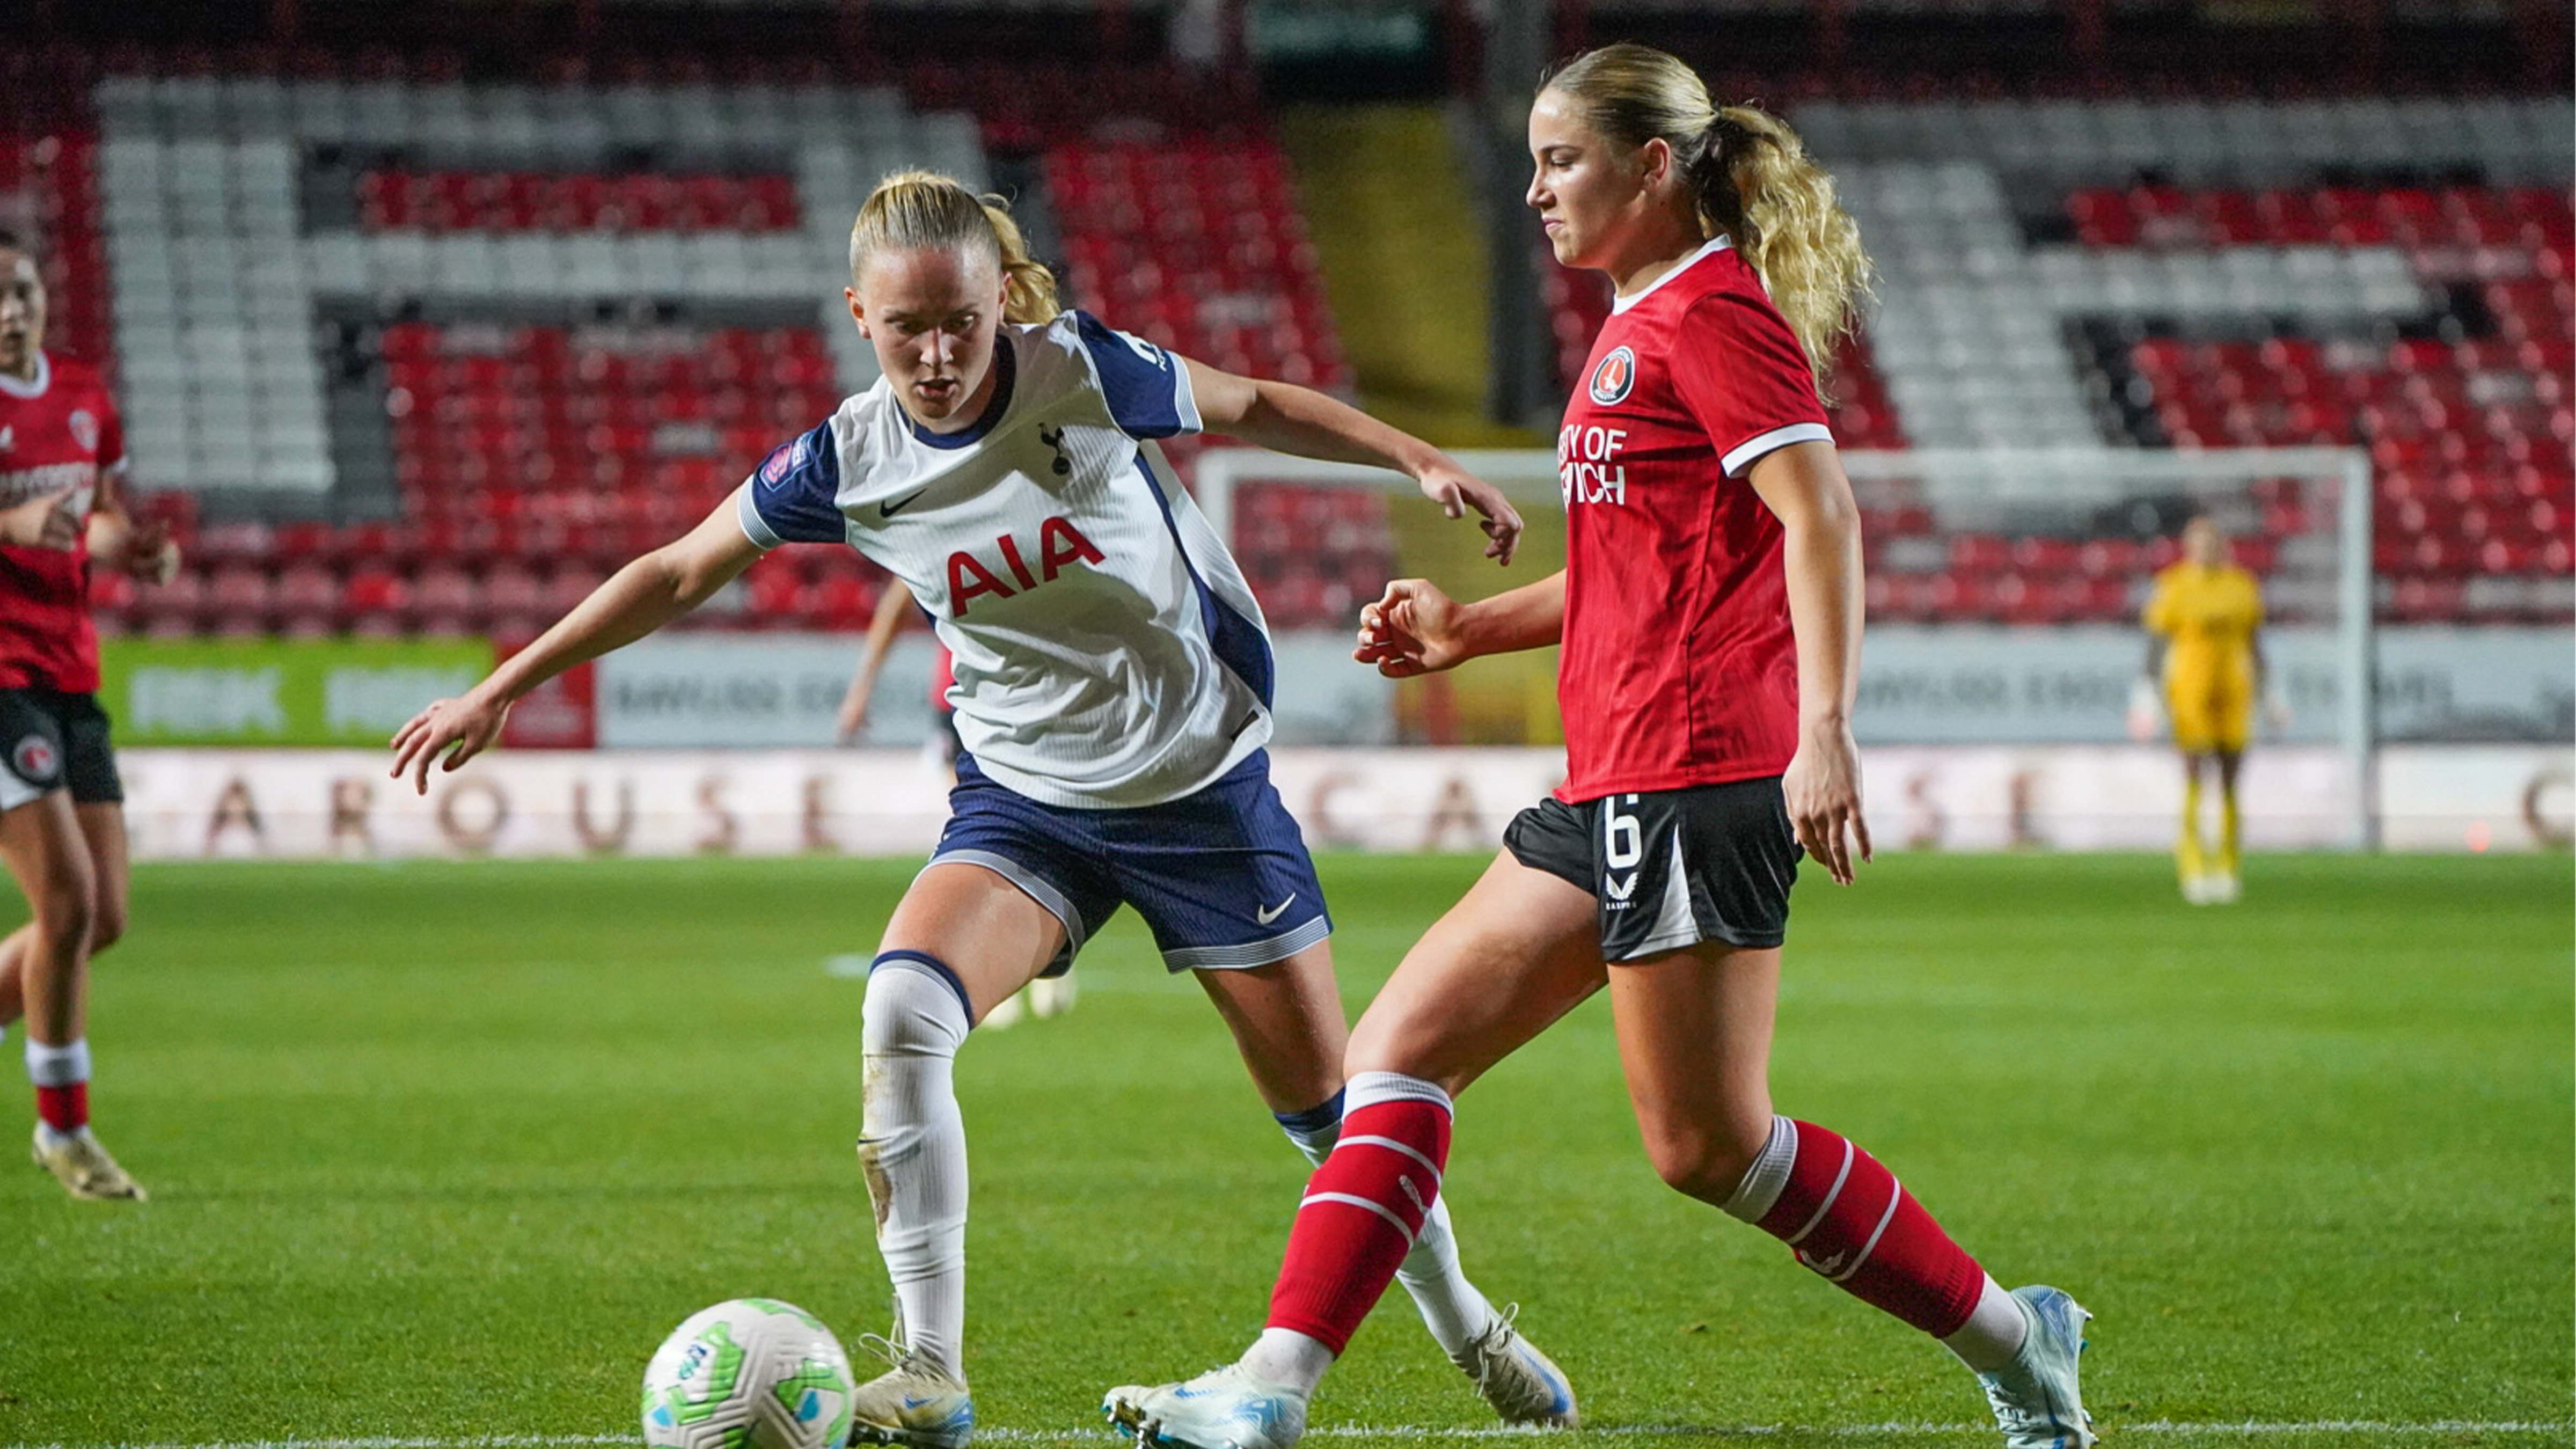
(1847, 1217)
(65, 1109)
(1362, 1210)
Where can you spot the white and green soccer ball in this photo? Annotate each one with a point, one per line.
(753, 1373)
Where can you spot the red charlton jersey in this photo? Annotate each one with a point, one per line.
(58, 434)
(1679, 668)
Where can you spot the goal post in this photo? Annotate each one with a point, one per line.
(2022, 554)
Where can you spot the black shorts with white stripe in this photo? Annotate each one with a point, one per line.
(51, 741)
(1671, 868)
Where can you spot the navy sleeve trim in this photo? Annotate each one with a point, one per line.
(791, 495)
(1148, 389)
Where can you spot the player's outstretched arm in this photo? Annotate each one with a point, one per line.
(1803, 484)
(1287, 418)
(1414, 628)
(636, 600)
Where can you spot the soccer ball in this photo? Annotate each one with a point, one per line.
(753, 1373)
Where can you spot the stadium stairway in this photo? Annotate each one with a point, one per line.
(1386, 198)
(1386, 195)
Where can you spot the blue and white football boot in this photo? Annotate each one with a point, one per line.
(2035, 1398)
(1221, 1409)
(914, 1403)
(1524, 1385)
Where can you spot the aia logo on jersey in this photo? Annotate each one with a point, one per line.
(1060, 545)
(1614, 377)
(85, 430)
(34, 759)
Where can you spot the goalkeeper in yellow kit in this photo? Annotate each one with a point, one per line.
(2205, 669)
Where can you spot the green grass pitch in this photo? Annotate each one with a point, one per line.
(439, 1152)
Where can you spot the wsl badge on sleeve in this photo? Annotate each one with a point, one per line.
(781, 462)
(1613, 377)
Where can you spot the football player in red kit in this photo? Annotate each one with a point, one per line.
(1710, 613)
(62, 826)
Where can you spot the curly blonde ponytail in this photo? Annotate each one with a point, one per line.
(1757, 185)
(912, 209)
(1751, 179)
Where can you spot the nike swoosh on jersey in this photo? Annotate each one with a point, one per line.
(893, 506)
(1265, 917)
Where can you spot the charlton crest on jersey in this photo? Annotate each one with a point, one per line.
(1615, 375)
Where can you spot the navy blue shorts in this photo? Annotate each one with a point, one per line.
(1221, 877)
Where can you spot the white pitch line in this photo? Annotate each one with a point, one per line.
(999, 1435)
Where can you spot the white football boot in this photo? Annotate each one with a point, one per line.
(2035, 1398)
(915, 1402)
(1051, 995)
(1524, 1385)
(1221, 1409)
(83, 1167)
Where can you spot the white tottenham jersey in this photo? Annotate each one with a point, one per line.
(1108, 651)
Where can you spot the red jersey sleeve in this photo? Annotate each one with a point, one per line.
(1740, 371)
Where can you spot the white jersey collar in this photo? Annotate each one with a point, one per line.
(44, 379)
(1709, 248)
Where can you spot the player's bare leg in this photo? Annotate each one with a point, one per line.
(962, 940)
(1516, 954)
(103, 830)
(13, 988)
(44, 847)
(1694, 1031)
(1695, 1043)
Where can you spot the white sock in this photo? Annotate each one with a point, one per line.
(1992, 1337)
(1286, 1357)
(913, 1150)
(1451, 1307)
(57, 1066)
(1763, 1181)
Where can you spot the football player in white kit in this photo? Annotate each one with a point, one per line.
(1112, 699)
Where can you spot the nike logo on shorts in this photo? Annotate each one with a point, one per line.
(893, 506)
(1265, 917)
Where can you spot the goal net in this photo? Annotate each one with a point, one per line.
(2004, 591)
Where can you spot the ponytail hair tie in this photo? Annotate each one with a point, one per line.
(1719, 144)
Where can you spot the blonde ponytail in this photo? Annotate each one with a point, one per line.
(923, 209)
(1759, 187)
(1030, 286)
(1750, 178)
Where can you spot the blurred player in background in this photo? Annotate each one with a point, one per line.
(895, 608)
(1048, 995)
(1113, 699)
(1710, 612)
(2205, 668)
(62, 821)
